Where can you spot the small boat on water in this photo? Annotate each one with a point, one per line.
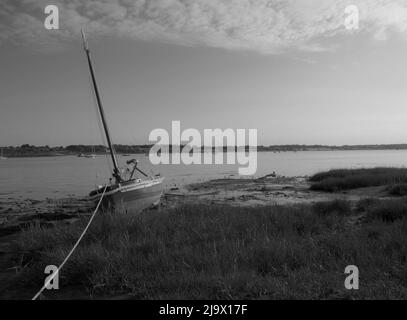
(125, 193)
(88, 155)
(91, 155)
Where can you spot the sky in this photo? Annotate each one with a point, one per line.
(289, 69)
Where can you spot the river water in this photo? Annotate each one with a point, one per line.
(55, 177)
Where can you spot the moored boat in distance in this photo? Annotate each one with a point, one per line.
(126, 194)
(91, 155)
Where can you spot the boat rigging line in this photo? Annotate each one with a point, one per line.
(50, 278)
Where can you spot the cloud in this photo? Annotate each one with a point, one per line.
(265, 26)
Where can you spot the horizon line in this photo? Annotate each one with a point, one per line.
(181, 145)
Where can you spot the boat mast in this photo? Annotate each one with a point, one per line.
(116, 172)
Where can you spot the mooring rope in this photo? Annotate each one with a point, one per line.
(72, 250)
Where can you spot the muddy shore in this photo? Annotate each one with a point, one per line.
(265, 191)
(15, 214)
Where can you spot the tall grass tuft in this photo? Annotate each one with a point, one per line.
(344, 179)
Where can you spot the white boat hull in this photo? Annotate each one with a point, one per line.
(130, 197)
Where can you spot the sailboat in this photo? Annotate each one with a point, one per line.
(128, 194)
(91, 155)
(1, 156)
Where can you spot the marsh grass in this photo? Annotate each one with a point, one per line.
(334, 207)
(398, 189)
(344, 179)
(221, 252)
(388, 210)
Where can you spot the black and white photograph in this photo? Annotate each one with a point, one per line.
(213, 151)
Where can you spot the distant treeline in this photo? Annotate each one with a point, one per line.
(27, 150)
(318, 147)
(120, 148)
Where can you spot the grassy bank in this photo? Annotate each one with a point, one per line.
(220, 252)
(344, 179)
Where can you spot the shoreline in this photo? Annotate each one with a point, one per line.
(44, 155)
(218, 217)
(16, 213)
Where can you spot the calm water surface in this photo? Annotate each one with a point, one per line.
(55, 177)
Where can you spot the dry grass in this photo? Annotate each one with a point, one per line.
(388, 210)
(220, 252)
